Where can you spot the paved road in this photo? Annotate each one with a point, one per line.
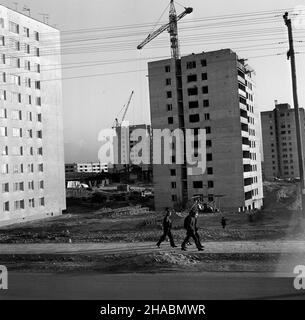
(201, 286)
(107, 248)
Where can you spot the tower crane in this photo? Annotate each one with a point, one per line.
(125, 108)
(172, 28)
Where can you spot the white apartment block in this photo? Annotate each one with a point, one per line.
(92, 167)
(214, 91)
(32, 181)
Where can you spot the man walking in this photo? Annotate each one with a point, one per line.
(190, 224)
(167, 226)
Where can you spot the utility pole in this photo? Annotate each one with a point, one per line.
(291, 57)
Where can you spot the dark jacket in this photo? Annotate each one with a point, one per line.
(190, 224)
(167, 223)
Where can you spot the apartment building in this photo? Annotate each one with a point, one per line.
(92, 167)
(32, 180)
(214, 91)
(128, 138)
(280, 142)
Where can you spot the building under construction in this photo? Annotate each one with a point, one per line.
(215, 91)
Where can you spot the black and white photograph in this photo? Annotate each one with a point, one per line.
(152, 151)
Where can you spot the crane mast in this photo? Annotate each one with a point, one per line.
(172, 28)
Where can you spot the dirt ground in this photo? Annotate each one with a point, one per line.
(87, 223)
(83, 222)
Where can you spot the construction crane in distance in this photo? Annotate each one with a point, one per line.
(125, 108)
(172, 28)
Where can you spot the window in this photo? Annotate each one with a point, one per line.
(13, 27)
(5, 188)
(1, 22)
(3, 113)
(173, 172)
(167, 69)
(169, 107)
(209, 170)
(14, 44)
(38, 101)
(3, 76)
(197, 184)
(31, 203)
(5, 151)
(170, 120)
(174, 185)
(27, 82)
(2, 41)
(27, 65)
(205, 89)
(39, 117)
(174, 197)
(37, 52)
(168, 82)
(41, 184)
(17, 132)
(203, 63)
(16, 79)
(206, 116)
(206, 103)
(4, 168)
(29, 116)
(6, 206)
(29, 133)
(19, 205)
(204, 76)
(41, 202)
(209, 157)
(16, 115)
(192, 78)
(37, 85)
(40, 167)
(37, 67)
(192, 91)
(194, 118)
(209, 143)
(3, 131)
(193, 104)
(30, 168)
(208, 130)
(36, 35)
(210, 184)
(168, 94)
(31, 185)
(14, 62)
(191, 65)
(26, 32)
(39, 134)
(3, 58)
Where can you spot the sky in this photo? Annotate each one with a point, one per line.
(105, 34)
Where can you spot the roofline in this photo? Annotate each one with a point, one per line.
(23, 14)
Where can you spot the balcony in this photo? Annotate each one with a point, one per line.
(242, 80)
(242, 93)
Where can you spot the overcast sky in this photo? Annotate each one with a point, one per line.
(92, 103)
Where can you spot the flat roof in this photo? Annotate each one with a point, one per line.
(23, 14)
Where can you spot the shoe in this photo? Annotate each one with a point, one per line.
(174, 246)
(157, 245)
(183, 249)
(200, 249)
